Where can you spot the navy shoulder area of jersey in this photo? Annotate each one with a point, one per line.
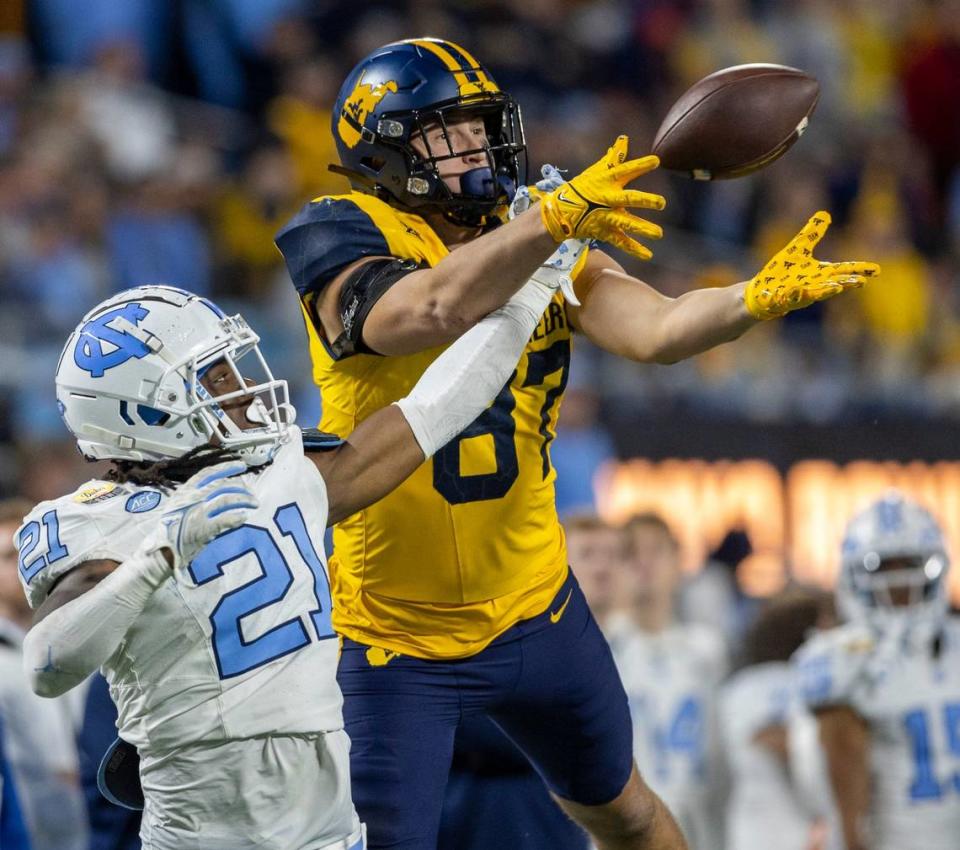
(325, 237)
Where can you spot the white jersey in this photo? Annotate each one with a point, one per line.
(764, 809)
(910, 698)
(671, 680)
(237, 643)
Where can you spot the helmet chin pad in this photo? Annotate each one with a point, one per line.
(479, 183)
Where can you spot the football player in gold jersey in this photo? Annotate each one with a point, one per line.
(453, 594)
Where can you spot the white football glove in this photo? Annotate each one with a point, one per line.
(209, 503)
(568, 253)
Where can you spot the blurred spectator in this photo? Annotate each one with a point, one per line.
(895, 317)
(131, 120)
(248, 215)
(713, 596)
(595, 551)
(301, 116)
(770, 740)
(153, 237)
(39, 737)
(671, 673)
(15, 75)
(931, 75)
(583, 443)
(13, 831)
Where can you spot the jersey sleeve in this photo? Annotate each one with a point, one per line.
(754, 699)
(325, 237)
(832, 668)
(91, 524)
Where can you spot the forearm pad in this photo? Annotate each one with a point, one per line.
(460, 384)
(71, 642)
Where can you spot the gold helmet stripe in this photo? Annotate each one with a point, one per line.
(483, 83)
(481, 77)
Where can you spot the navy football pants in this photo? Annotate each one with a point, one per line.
(552, 687)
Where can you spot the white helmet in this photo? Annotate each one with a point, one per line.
(128, 383)
(894, 566)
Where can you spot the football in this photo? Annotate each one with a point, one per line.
(736, 121)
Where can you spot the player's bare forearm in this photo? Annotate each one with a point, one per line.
(434, 306)
(377, 457)
(845, 739)
(627, 317)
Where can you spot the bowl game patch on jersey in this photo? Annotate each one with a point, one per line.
(98, 491)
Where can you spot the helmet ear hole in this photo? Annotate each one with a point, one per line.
(374, 163)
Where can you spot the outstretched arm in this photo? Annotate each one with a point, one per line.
(456, 388)
(627, 317)
(433, 306)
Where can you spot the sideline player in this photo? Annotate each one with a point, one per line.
(885, 687)
(596, 552)
(671, 672)
(201, 589)
(443, 586)
(770, 740)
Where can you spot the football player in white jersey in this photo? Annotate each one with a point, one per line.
(671, 672)
(885, 687)
(769, 739)
(194, 575)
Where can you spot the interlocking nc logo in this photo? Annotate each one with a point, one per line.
(89, 353)
(359, 104)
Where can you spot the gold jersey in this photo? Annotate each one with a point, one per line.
(471, 542)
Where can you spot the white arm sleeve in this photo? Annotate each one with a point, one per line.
(71, 642)
(460, 384)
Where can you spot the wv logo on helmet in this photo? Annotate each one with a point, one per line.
(100, 347)
(360, 103)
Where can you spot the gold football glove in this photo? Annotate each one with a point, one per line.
(794, 278)
(593, 204)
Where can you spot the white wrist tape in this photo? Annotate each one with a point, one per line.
(77, 638)
(462, 382)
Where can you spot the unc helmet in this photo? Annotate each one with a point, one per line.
(894, 565)
(394, 94)
(128, 380)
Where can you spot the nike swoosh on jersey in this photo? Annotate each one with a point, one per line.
(556, 615)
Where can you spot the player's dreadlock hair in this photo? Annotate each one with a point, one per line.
(167, 474)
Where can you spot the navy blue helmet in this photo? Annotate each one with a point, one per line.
(398, 91)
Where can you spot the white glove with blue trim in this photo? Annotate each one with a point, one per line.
(213, 501)
(568, 253)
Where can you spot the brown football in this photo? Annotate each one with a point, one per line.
(736, 121)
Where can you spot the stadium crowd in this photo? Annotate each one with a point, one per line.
(149, 141)
(167, 142)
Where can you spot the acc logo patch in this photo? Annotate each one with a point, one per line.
(358, 105)
(140, 503)
(99, 492)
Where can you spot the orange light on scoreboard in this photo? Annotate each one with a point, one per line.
(795, 523)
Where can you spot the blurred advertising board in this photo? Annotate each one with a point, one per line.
(794, 519)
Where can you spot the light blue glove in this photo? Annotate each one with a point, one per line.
(568, 253)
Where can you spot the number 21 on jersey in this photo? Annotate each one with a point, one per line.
(233, 653)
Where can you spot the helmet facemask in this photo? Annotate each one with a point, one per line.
(484, 189)
(264, 407)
